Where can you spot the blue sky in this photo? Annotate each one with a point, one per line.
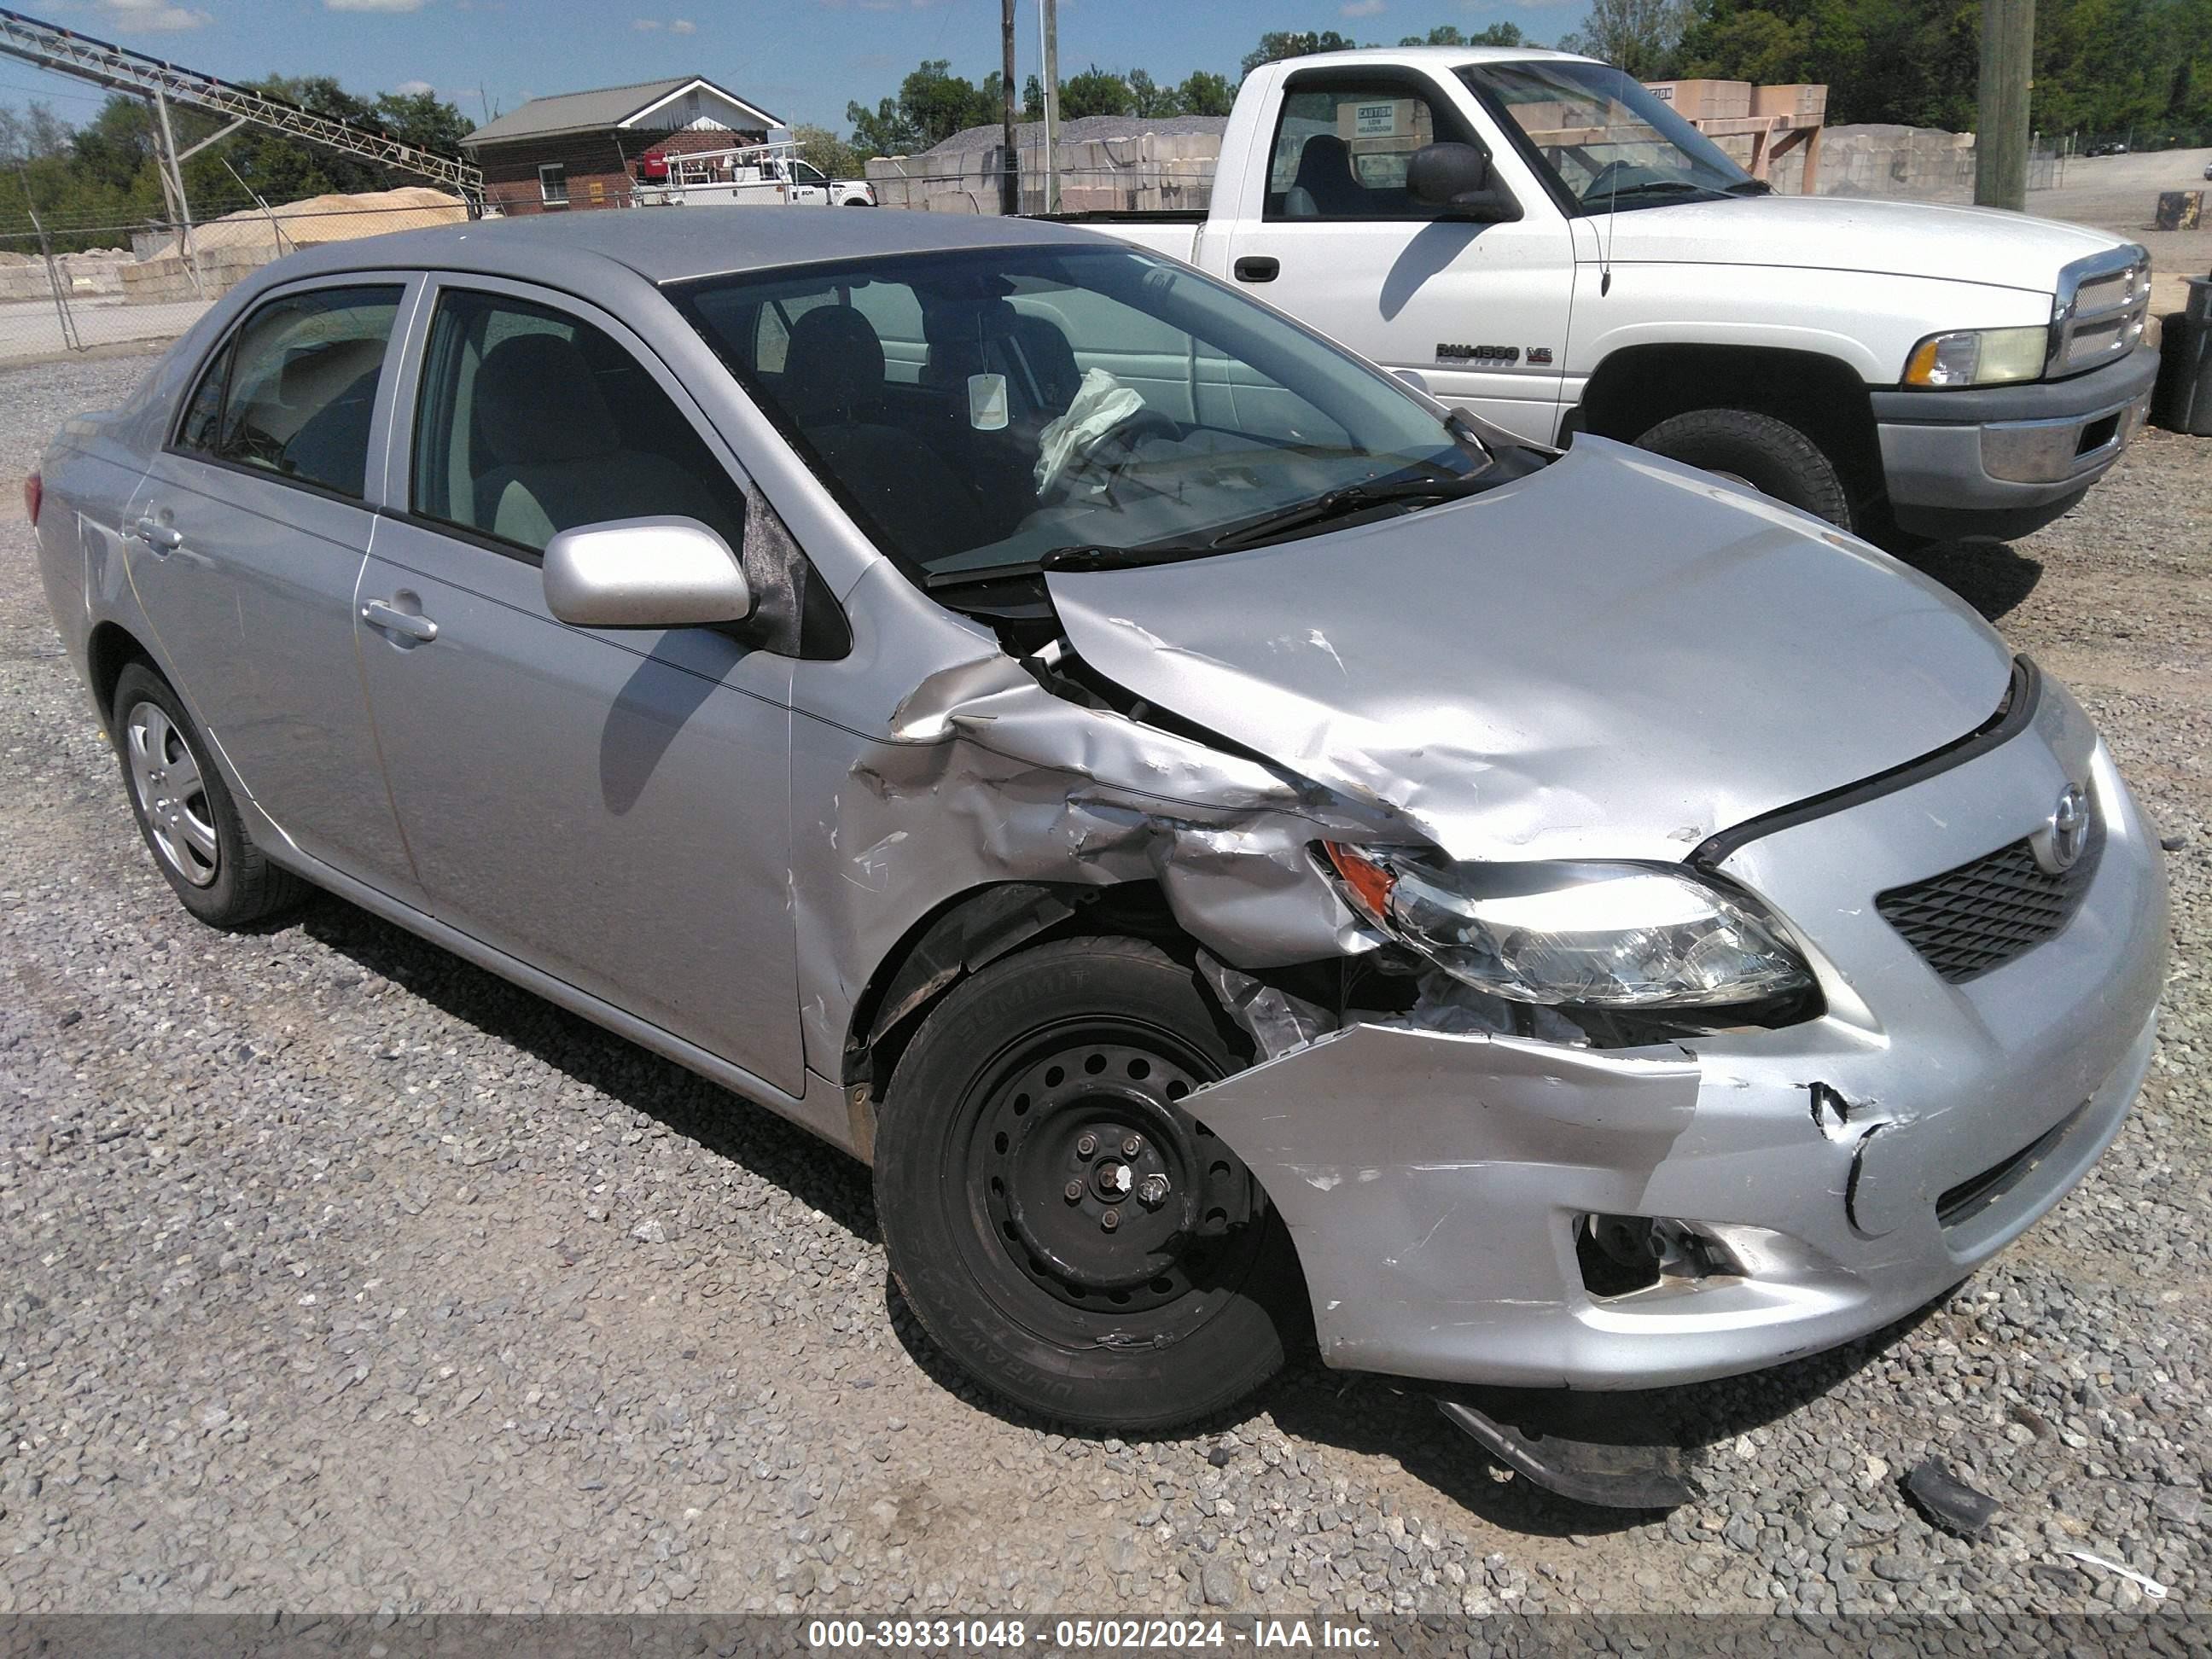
(801, 58)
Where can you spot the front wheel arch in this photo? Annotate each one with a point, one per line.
(1637, 387)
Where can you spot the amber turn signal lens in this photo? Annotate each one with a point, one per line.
(1370, 884)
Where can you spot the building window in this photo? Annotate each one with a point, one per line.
(553, 184)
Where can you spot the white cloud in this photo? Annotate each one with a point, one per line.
(1362, 8)
(372, 5)
(150, 17)
(683, 25)
(414, 88)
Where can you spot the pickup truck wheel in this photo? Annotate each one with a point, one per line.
(1074, 1239)
(186, 812)
(1771, 455)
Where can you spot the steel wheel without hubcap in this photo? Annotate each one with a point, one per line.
(1064, 1227)
(172, 795)
(1088, 1184)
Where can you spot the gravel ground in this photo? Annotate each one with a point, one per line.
(338, 1275)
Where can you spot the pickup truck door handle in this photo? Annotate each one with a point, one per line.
(163, 538)
(1258, 269)
(382, 613)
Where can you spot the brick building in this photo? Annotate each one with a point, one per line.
(581, 150)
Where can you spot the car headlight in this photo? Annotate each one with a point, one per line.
(1601, 935)
(1978, 357)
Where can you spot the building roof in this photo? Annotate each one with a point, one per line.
(597, 111)
(668, 245)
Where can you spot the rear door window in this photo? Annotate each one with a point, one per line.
(293, 390)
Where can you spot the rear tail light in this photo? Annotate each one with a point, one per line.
(34, 493)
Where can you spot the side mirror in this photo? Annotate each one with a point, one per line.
(644, 573)
(1454, 179)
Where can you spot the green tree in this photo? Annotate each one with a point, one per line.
(1203, 93)
(883, 131)
(1094, 92)
(1278, 43)
(1751, 46)
(1445, 34)
(828, 151)
(1641, 36)
(932, 104)
(1147, 98)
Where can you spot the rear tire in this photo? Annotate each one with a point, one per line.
(1034, 1079)
(184, 810)
(1771, 455)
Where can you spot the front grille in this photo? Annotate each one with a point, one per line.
(2103, 302)
(1985, 914)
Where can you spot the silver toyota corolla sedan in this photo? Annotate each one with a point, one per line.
(1234, 844)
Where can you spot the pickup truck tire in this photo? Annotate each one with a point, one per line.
(185, 811)
(1038, 1099)
(1771, 455)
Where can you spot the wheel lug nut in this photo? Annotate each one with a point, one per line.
(1154, 1191)
(1132, 1146)
(1086, 1146)
(1072, 1191)
(1110, 1220)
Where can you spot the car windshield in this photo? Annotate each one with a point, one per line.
(979, 410)
(1610, 143)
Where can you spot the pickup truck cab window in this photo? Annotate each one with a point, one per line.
(1603, 138)
(532, 422)
(1342, 144)
(292, 392)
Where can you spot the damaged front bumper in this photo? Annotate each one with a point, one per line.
(1838, 1173)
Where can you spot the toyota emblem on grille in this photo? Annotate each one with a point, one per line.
(2058, 848)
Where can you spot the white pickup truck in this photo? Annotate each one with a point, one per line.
(1539, 239)
(773, 175)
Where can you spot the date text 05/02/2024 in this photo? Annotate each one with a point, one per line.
(1087, 1634)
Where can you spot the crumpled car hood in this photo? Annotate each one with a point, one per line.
(1614, 657)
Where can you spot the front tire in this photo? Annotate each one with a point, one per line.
(1073, 1237)
(184, 810)
(1771, 455)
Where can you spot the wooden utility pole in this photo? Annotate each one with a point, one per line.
(1010, 187)
(1048, 17)
(2008, 71)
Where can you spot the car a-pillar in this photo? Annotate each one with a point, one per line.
(1794, 425)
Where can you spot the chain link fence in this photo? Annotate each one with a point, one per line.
(67, 287)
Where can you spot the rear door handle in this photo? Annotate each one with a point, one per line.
(162, 537)
(382, 613)
(1258, 269)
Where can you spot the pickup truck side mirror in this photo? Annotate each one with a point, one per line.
(644, 573)
(1454, 179)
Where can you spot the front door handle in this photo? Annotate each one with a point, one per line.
(382, 613)
(162, 537)
(1258, 269)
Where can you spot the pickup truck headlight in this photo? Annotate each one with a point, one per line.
(1978, 357)
(1601, 935)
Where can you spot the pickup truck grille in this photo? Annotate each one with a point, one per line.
(2101, 303)
(1986, 912)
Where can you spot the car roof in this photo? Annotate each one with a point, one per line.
(670, 245)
